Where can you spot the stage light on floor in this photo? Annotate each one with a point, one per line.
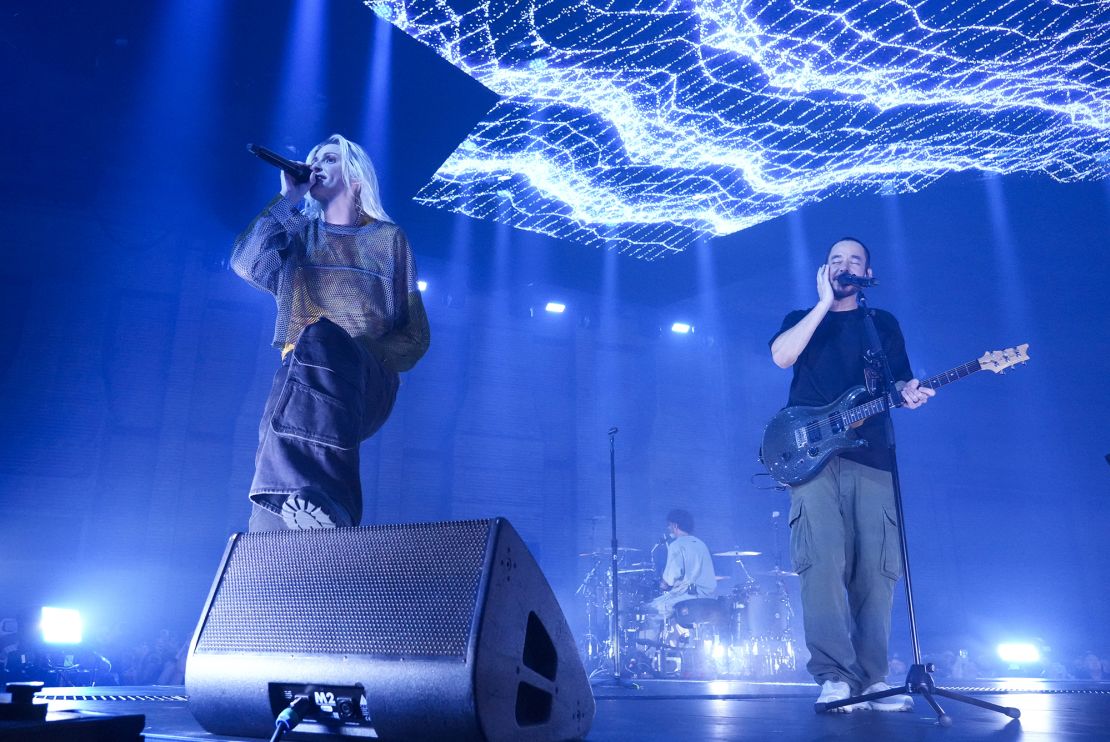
(1018, 653)
(61, 625)
(422, 285)
(555, 307)
(682, 328)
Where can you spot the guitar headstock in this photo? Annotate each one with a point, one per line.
(1000, 360)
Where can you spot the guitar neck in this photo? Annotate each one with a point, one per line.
(882, 404)
(952, 374)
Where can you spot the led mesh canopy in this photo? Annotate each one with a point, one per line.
(644, 126)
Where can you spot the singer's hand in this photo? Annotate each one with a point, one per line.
(291, 189)
(824, 286)
(916, 395)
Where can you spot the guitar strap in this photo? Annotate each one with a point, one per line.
(872, 374)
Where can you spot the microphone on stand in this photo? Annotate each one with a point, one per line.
(300, 171)
(848, 279)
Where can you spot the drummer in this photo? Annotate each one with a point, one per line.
(688, 573)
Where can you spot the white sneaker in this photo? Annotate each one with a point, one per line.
(900, 702)
(836, 690)
(301, 514)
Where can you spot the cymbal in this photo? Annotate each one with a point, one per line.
(737, 553)
(779, 573)
(608, 552)
(635, 570)
(723, 577)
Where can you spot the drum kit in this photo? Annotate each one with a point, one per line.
(746, 632)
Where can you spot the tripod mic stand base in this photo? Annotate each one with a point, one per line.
(919, 681)
(614, 681)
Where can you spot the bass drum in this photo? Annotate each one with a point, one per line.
(760, 643)
(771, 648)
(770, 615)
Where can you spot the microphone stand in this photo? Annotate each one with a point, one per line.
(614, 616)
(919, 679)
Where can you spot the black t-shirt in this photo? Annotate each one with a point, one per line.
(833, 362)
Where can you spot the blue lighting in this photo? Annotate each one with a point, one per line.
(555, 307)
(1016, 653)
(643, 127)
(422, 285)
(681, 328)
(302, 70)
(61, 626)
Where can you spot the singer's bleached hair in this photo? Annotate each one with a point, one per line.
(356, 167)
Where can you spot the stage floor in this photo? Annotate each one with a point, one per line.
(669, 710)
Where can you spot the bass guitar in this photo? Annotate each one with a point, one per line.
(799, 440)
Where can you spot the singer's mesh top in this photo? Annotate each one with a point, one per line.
(362, 278)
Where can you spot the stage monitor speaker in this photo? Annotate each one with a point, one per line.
(445, 631)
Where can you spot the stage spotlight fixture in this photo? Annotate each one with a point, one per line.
(555, 307)
(60, 625)
(682, 328)
(1018, 653)
(422, 285)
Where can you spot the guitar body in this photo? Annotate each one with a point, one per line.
(798, 441)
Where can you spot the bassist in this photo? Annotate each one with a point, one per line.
(843, 523)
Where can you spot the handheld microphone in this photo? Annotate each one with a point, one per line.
(847, 279)
(300, 171)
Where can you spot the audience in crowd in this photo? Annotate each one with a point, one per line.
(107, 659)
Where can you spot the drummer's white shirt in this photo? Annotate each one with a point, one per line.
(689, 563)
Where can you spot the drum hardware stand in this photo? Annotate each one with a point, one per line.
(592, 653)
(588, 591)
(783, 595)
(614, 616)
(919, 679)
(776, 522)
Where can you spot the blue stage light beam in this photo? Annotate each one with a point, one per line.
(644, 125)
(377, 134)
(298, 119)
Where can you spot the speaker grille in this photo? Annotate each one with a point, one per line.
(388, 591)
